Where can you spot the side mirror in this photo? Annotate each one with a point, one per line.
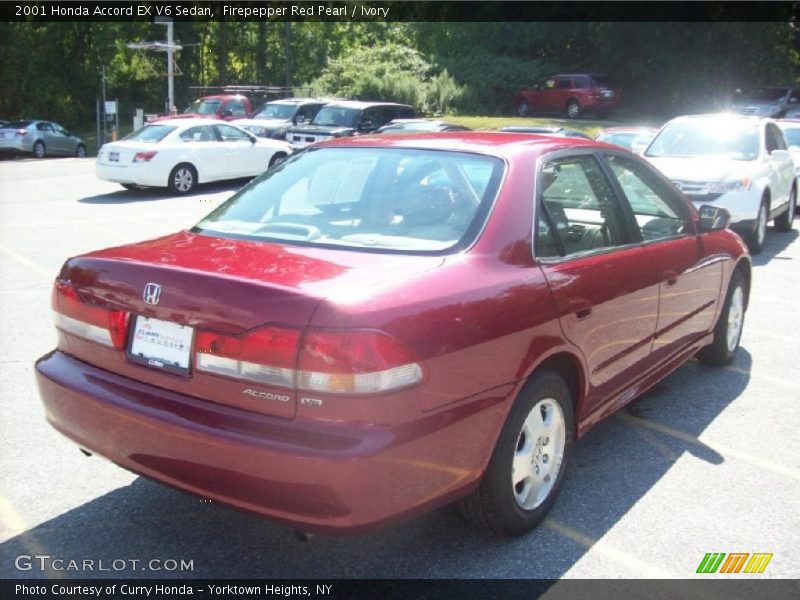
(252, 138)
(226, 113)
(299, 119)
(714, 218)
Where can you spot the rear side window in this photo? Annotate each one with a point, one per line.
(372, 199)
(564, 83)
(578, 211)
(203, 133)
(150, 134)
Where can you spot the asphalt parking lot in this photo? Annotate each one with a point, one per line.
(707, 461)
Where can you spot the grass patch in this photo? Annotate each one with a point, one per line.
(587, 126)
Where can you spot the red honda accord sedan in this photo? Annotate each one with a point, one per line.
(383, 325)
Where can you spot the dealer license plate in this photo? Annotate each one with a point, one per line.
(113, 157)
(161, 344)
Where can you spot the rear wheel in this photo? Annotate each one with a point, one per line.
(573, 109)
(523, 108)
(182, 179)
(80, 151)
(527, 467)
(728, 331)
(39, 150)
(755, 240)
(784, 222)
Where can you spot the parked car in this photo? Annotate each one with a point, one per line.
(386, 324)
(559, 131)
(768, 101)
(3, 123)
(40, 138)
(346, 118)
(634, 139)
(573, 94)
(226, 107)
(738, 162)
(276, 117)
(419, 126)
(179, 154)
(791, 133)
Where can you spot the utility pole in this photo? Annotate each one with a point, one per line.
(105, 117)
(169, 47)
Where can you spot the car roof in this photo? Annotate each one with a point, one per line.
(186, 123)
(631, 129)
(219, 97)
(297, 101)
(722, 117)
(360, 104)
(497, 144)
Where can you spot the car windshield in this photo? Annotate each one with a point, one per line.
(18, 125)
(792, 135)
(369, 199)
(150, 134)
(277, 111)
(337, 116)
(766, 94)
(625, 140)
(204, 107)
(726, 138)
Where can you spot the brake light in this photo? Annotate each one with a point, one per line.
(144, 156)
(72, 315)
(355, 362)
(266, 355)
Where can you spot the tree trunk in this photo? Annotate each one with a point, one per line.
(222, 54)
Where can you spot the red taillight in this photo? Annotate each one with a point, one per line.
(356, 362)
(144, 156)
(108, 327)
(267, 355)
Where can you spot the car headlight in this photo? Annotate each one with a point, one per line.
(730, 184)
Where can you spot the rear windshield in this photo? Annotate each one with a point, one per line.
(276, 111)
(726, 138)
(370, 199)
(18, 125)
(337, 116)
(150, 134)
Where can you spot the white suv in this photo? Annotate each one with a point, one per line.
(737, 162)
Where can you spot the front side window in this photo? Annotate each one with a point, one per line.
(792, 136)
(774, 138)
(231, 134)
(564, 83)
(337, 116)
(653, 203)
(276, 111)
(204, 107)
(373, 199)
(578, 211)
(236, 107)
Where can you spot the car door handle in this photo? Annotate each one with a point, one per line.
(670, 278)
(581, 308)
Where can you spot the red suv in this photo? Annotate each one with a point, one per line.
(574, 94)
(221, 106)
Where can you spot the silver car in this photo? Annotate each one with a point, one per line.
(40, 138)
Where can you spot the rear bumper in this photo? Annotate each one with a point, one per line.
(318, 476)
(149, 175)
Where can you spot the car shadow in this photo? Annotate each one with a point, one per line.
(123, 196)
(614, 466)
(775, 243)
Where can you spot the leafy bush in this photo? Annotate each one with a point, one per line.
(389, 72)
(492, 79)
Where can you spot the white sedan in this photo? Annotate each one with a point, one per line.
(180, 153)
(740, 163)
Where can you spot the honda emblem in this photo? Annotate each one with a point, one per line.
(152, 292)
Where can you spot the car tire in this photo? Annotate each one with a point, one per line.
(277, 159)
(182, 179)
(728, 330)
(785, 221)
(527, 466)
(80, 151)
(39, 151)
(523, 108)
(574, 109)
(755, 240)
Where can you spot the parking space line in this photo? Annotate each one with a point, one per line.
(721, 449)
(26, 261)
(607, 551)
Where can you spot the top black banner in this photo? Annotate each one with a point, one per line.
(418, 11)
